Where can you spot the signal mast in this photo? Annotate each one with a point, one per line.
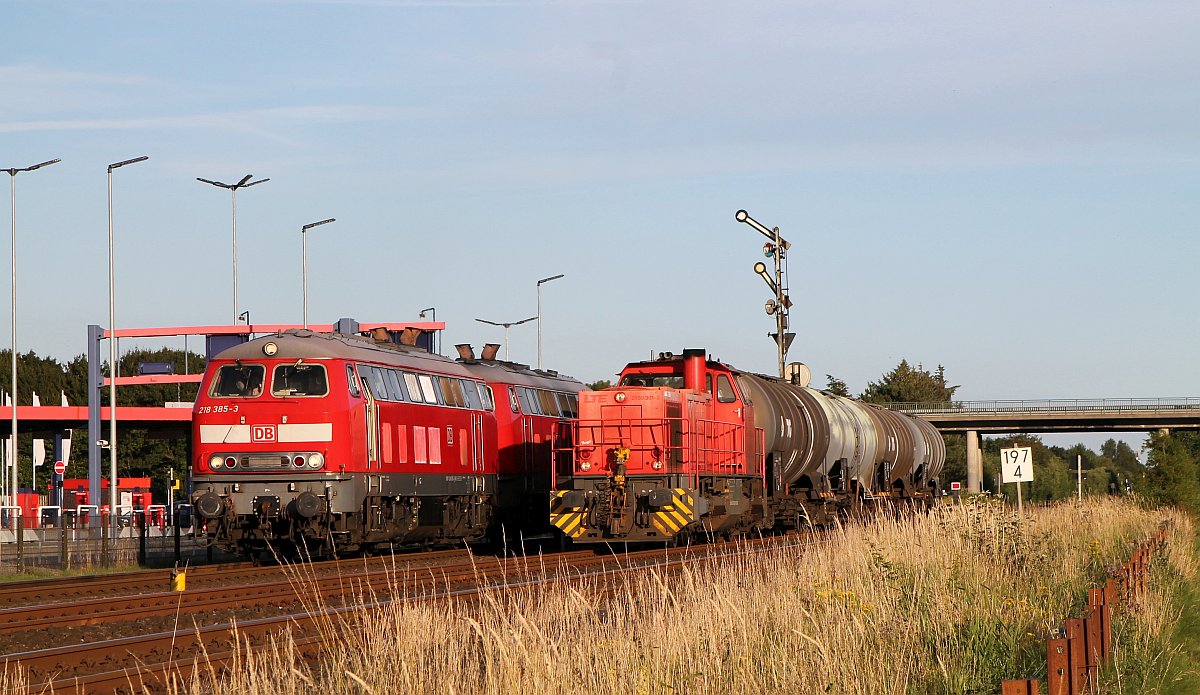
(776, 248)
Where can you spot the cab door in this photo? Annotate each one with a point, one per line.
(371, 421)
(730, 413)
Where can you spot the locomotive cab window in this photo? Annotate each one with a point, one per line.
(238, 381)
(352, 381)
(725, 392)
(299, 379)
(674, 381)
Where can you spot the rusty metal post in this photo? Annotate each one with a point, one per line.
(1020, 687)
(1105, 614)
(1092, 631)
(1077, 653)
(1112, 595)
(1058, 667)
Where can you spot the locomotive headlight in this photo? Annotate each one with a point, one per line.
(315, 460)
(270, 349)
(620, 397)
(657, 465)
(585, 466)
(215, 463)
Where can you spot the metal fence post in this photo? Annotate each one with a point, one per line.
(141, 517)
(175, 527)
(20, 528)
(103, 542)
(64, 562)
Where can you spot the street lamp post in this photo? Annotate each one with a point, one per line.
(12, 174)
(539, 314)
(433, 311)
(304, 259)
(112, 350)
(507, 325)
(233, 188)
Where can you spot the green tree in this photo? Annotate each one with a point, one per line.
(1172, 474)
(906, 384)
(599, 384)
(836, 386)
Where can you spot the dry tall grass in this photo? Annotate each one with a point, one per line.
(953, 601)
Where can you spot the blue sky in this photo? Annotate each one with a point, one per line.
(1004, 188)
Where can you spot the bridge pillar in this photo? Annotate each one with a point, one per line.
(974, 463)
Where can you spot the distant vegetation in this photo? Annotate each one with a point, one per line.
(139, 455)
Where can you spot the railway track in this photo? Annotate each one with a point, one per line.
(128, 663)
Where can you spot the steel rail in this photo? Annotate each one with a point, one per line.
(125, 664)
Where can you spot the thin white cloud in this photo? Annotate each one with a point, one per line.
(238, 120)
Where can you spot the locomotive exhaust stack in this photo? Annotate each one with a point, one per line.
(465, 351)
(489, 352)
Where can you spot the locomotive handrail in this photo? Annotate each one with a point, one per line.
(718, 444)
(1111, 405)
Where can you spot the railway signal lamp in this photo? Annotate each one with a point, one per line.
(776, 248)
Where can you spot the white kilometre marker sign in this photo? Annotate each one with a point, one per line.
(1016, 466)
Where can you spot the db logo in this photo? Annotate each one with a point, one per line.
(262, 433)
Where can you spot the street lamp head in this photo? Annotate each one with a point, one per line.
(16, 170)
(545, 280)
(422, 314)
(310, 225)
(245, 178)
(118, 165)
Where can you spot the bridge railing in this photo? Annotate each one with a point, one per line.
(1064, 405)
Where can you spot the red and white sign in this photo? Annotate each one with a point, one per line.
(60, 467)
(262, 434)
(955, 487)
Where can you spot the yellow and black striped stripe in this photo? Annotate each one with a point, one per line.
(672, 518)
(566, 519)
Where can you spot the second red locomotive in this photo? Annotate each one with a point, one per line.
(687, 446)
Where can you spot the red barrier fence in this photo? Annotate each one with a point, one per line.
(1073, 662)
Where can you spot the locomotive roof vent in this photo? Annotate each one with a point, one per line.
(465, 351)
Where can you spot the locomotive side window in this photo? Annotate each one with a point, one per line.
(299, 380)
(471, 393)
(414, 388)
(512, 399)
(548, 402)
(725, 392)
(374, 378)
(428, 388)
(452, 392)
(394, 387)
(352, 381)
(238, 381)
(529, 401)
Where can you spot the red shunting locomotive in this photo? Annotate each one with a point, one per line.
(343, 443)
(687, 446)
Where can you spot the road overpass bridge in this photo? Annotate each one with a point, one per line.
(1052, 416)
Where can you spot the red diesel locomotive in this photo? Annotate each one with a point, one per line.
(345, 443)
(685, 446)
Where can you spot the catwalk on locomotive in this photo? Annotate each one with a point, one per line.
(686, 447)
(341, 442)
